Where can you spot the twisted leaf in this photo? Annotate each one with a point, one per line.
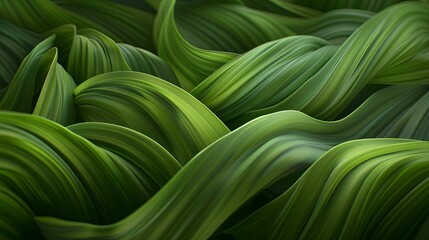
(307, 75)
(247, 161)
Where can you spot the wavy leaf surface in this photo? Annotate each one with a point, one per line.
(115, 119)
(275, 147)
(158, 109)
(118, 21)
(307, 74)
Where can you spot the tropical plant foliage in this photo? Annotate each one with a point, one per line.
(232, 119)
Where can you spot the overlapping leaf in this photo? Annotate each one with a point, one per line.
(359, 190)
(120, 22)
(15, 44)
(54, 172)
(108, 131)
(276, 146)
(158, 109)
(307, 74)
(207, 40)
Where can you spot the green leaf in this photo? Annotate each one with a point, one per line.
(143, 61)
(15, 44)
(302, 73)
(283, 7)
(64, 36)
(56, 101)
(366, 189)
(326, 5)
(207, 35)
(93, 53)
(228, 173)
(58, 173)
(28, 80)
(190, 63)
(122, 23)
(154, 166)
(16, 220)
(156, 108)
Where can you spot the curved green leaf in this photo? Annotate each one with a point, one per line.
(318, 80)
(15, 44)
(58, 173)
(143, 61)
(173, 48)
(283, 7)
(367, 189)
(93, 53)
(28, 80)
(154, 107)
(64, 37)
(145, 159)
(247, 161)
(56, 101)
(326, 5)
(208, 34)
(154, 165)
(122, 23)
(42, 86)
(16, 217)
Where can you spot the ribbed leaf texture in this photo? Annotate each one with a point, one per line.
(230, 119)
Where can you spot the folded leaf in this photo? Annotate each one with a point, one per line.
(140, 60)
(228, 173)
(304, 73)
(120, 22)
(154, 166)
(366, 189)
(156, 108)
